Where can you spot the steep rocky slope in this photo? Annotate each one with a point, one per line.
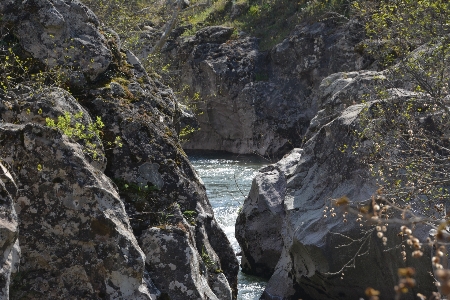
(93, 219)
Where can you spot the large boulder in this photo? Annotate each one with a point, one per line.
(264, 209)
(177, 267)
(59, 33)
(73, 226)
(151, 169)
(324, 251)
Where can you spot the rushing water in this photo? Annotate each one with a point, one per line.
(228, 179)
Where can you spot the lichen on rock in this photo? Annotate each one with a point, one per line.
(80, 216)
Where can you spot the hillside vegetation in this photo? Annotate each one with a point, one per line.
(269, 20)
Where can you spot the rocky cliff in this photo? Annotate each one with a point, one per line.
(94, 206)
(254, 101)
(312, 248)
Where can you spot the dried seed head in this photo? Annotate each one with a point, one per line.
(442, 274)
(406, 272)
(409, 282)
(417, 254)
(370, 292)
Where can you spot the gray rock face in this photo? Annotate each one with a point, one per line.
(9, 231)
(73, 226)
(25, 106)
(177, 268)
(84, 218)
(73, 184)
(264, 209)
(156, 171)
(59, 33)
(259, 102)
(300, 188)
(339, 91)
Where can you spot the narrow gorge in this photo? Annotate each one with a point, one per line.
(224, 150)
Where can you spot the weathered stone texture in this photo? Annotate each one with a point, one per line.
(59, 34)
(152, 159)
(81, 214)
(9, 231)
(300, 188)
(254, 101)
(75, 237)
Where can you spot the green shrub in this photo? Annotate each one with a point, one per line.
(89, 135)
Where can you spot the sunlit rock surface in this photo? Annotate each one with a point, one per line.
(84, 202)
(9, 229)
(321, 255)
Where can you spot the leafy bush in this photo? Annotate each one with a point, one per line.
(88, 135)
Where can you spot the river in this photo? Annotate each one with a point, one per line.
(228, 179)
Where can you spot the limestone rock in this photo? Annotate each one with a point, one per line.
(339, 91)
(264, 208)
(25, 105)
(59, 33)
(177, 267)
(73, 225)
(312, 257)
(253, 101)
(153, 173)
(163, 167)
(306, 244)
(81, 215)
